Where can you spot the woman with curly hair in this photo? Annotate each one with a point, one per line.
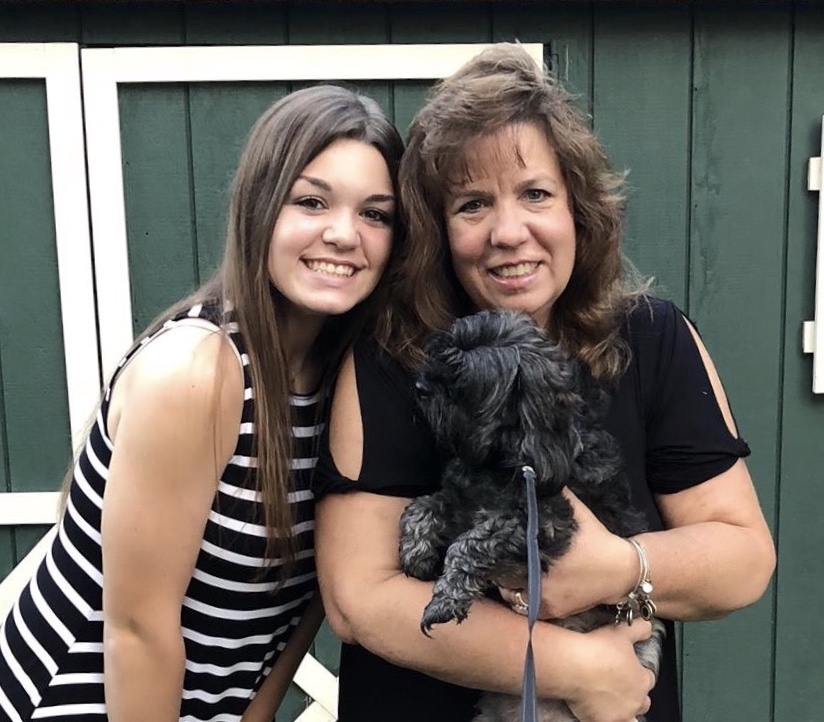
(511, 203)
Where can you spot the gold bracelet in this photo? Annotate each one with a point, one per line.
(638, 600)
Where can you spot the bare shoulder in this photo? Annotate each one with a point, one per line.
(187, 374)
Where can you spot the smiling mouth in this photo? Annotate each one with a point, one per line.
(514, 271)
(331, 269)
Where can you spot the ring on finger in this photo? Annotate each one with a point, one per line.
(519, 605)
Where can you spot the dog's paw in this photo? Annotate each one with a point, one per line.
(441, 610)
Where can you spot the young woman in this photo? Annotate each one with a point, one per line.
(182, 580)
(512, 204)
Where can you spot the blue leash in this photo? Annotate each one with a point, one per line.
(529, 695)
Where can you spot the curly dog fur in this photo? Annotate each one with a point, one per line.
(498, 394)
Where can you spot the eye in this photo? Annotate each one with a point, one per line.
(536, 195)
(472, 206)
(313, 203)
(376, 215)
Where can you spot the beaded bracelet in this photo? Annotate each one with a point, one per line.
(638, 600)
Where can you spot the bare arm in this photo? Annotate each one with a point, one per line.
(370, 601)
(715, 556)
(174, 418)
(265, 703)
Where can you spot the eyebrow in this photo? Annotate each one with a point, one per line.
(323, 185)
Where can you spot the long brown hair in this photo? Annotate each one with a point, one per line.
(284, 140)
(499, 88)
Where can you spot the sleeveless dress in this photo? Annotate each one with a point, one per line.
(51, 643)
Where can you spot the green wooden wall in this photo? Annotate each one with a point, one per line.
(714, 110)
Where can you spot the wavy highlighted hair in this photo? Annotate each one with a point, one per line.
(500, 88)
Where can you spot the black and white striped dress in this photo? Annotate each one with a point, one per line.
(51, 651)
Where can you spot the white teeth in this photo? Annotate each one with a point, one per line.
(330, 268)
(522, 269)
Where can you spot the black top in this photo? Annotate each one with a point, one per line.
(670, 429)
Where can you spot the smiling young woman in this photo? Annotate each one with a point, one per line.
(182, 582)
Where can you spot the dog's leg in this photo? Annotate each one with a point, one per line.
(471, 563)
(649, 650)
(424, 536)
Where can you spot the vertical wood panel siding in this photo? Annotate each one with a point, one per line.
(220, 116)
(713, 110)
(35, 438)
(799, 625)
(641, 111)
(157, 183)
(737, 247)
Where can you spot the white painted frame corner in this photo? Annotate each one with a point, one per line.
(58, 65)
(104, 69)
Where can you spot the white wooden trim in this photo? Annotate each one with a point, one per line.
(315, 713)
(290, 62)
(58, 65)
(38, 507)
(319, 683)
(13, 584)
(818, 348)
(104, 69)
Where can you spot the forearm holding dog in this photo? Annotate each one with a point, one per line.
(356, 539)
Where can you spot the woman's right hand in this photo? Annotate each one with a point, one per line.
(614, 687)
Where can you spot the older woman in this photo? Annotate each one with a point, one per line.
(512, 204)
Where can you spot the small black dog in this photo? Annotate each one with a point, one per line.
(499, 394)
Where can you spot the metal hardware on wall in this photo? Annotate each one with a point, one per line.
(813, 331)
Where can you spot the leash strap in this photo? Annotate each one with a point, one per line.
(529, 696)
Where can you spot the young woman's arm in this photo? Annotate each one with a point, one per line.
(265, 703)
(370, 601)
(174, 419)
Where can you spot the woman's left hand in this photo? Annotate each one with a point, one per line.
(598, 568)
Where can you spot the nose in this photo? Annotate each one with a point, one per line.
(342, 231)
(509, 229)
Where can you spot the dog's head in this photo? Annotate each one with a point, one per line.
(498, 393)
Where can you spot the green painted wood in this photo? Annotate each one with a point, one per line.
(34, 385)
(224, 24)
(148, 24)
(158, 195)
(739, 170)
(327, 647)
(337, 23)
(221, 115)
(332, 25)
(39, 23)
(799, 653)
(293, 705)
(566, 29)
(440, 22)
(431, 23)
(641, 112)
